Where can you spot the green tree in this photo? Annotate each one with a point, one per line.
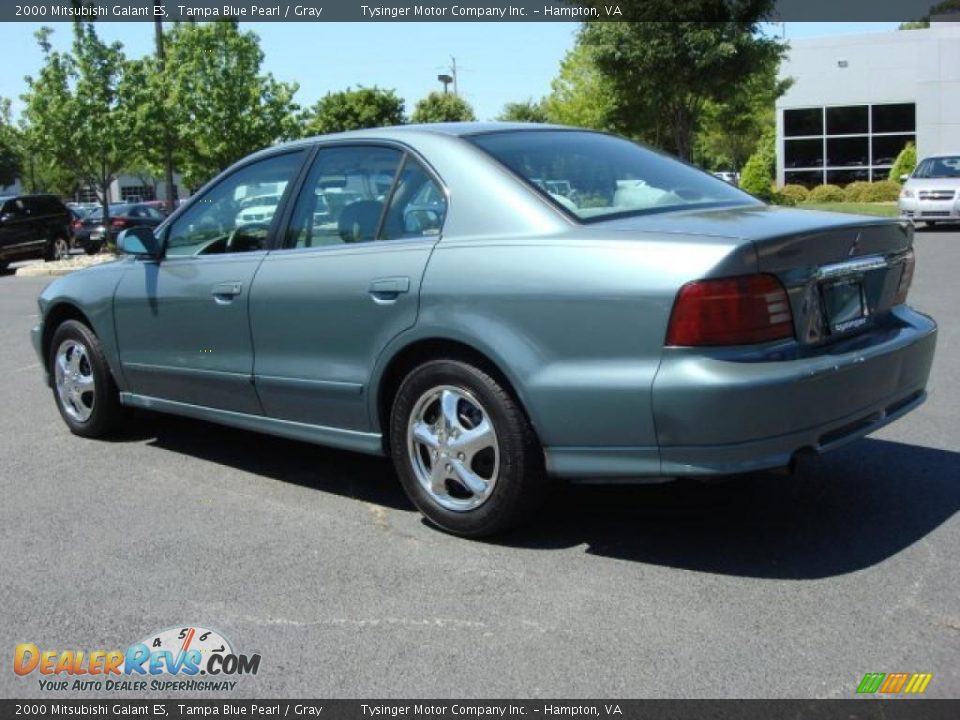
(74, 112)
(663, 71)
(529, 111)
(905, 163)
(365, 107)
(943, 8)
(9, 158)
(220, 104)
(580, 95)
(729, 129)
(442, 107)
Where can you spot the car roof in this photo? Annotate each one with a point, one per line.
(406, 133)
(401, 133)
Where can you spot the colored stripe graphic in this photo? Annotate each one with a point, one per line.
(893, 683)
(871, 682)
(918, 683)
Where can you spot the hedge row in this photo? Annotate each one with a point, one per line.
(882, 191)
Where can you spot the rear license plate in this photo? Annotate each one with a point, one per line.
(843, 301)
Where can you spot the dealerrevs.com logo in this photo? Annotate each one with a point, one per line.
(181, 658)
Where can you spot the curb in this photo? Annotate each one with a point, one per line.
(54, 269)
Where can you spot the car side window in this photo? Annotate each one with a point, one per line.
(418, 205)
(230, 216)
(343, 198)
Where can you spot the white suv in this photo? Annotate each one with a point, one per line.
(932, 192)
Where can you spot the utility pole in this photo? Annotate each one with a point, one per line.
(453, 72)
(158, 13)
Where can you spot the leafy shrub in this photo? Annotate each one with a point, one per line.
(826, 194)
(882, 191)
(756, 177)
(796, 193)
(905, 163)
(856, 191)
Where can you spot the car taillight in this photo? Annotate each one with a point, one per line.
(906, 278)
(118, 223)
(77, 224)
(730, 311)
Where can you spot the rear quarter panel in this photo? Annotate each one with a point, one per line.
(576, 322)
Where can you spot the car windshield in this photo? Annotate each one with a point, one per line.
(939, 167)
(596, 176)
(115, 211)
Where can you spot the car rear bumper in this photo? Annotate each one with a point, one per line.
(738, 411)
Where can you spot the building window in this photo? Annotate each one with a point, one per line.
(87, 195)
(900, 118)
(805, 121)
(137, 193)
(850, 120)
(807, 178)
(843, 144)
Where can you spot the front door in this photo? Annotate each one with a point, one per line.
(344, 283)
(183, 323)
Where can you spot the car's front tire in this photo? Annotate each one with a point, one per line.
(464, 449)
(83, 387)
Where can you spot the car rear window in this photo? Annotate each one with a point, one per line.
(594, 176)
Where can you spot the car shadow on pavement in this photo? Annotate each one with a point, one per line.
(364, 477)
(839, 513)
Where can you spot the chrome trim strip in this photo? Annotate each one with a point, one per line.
(852, 267)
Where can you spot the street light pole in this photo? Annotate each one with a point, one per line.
(158, 13)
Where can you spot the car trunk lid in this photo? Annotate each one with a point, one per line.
(841, 272)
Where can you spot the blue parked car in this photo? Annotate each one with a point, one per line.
(497, 307)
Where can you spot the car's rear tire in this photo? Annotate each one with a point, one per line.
(464, 449)
(83, 388)
(57, 249)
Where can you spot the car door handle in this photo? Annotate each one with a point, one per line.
(386, 290)
(225, 292)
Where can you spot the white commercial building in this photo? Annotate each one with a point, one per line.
(857, 100)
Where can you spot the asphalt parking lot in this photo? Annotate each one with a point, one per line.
(766, 586)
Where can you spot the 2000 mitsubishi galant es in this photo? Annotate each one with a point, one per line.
(496, 305)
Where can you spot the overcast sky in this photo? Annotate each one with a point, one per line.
(497, 62)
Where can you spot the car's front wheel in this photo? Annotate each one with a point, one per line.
(464, 450)
(83, 387)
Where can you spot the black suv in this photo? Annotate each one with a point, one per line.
(33, 226)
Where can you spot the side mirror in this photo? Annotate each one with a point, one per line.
(139, 241)
(904, 177)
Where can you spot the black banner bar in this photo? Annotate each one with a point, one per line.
(861, 709)
(442, 10)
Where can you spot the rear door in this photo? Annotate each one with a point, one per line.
(344, 283)
(183, 322)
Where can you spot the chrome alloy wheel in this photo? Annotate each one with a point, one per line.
(73, 374)
(452, 446)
